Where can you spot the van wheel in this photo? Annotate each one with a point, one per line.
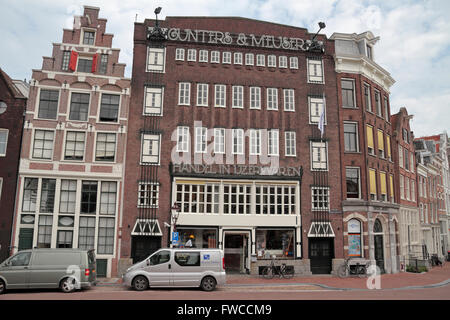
(208, 284)
(2, 287)
(140, 283)
(67, 285)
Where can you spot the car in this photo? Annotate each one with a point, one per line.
(67, 269)
(178, 267)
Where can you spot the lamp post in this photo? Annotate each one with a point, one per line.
(175, 213)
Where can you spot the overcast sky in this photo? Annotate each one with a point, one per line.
(414, 35)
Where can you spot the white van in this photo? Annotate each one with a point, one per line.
(204, 268)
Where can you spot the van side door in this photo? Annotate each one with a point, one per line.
(16, 271)
(186, 270)
(158, 269)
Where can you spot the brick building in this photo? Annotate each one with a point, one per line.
(405, 173)
(73, 151)
(369, 199)
(224, 125)
(13, 99)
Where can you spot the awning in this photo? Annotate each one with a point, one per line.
(321, 229)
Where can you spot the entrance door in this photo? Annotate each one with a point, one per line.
(235, 252)
(143, 246)
(321, 253)
(25, 238)
(379, 254)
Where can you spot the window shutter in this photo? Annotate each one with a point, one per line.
(370, 137)
(391, 182)
(73, 60)
(94, 63)
(388, 146)
(373, 183)
(380, 140)
(383, 183)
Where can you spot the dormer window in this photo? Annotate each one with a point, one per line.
(369, 52)
(88, 37)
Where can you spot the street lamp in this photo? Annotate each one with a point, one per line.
(175, 214)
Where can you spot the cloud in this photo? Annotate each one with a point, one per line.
(414, 41)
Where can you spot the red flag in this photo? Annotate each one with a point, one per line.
(73, 61)
(94, 63)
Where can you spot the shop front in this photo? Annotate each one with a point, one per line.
(253, 221)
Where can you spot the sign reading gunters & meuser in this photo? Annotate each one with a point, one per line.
(241, 39)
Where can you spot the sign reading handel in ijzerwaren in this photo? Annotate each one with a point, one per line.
(241, 39)
(241, 170)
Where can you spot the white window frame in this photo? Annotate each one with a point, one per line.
(201, 139)
(192, 55)
(273, 142)
(315, 74)
(282, 62)
(256, 103)
(402, 187)
(203, 56)
(219, 140)
(289, 99)
(215, 56)
(293, 62)
(325, 191)
(153, 92)
(400, 156)
(184, 144)
(115, 146)
(238, 137)
(357, 135)
(272, 61)
(249, 59)
(272, 98)
(322, 148)
(5, 142)
(238, 97)
(358, 169)
(316, 103)
(150, 189)
(145, 137)
(184, 94)
(34, 143)
(159, 67)
(179, 54)
(290, 149)
(220, 96)
(202, 94)
(237, 58)
(226, 57)
(255, 142)
(260, 60)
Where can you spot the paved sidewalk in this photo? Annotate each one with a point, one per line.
(437, 276)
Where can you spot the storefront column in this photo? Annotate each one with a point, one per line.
(220, 238)
(298, 245)
(253, 247)
(371, 239)
(393, 245)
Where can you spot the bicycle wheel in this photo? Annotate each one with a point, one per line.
(286, 274)
(342, 271)
(268, 272)
(361, 271)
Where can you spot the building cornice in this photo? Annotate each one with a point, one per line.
(366, 67)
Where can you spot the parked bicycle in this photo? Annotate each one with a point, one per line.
(346, 269)
(271, 270)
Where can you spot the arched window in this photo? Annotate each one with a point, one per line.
(354, 238)
(377, 228)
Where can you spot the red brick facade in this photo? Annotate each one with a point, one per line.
(11, 125)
